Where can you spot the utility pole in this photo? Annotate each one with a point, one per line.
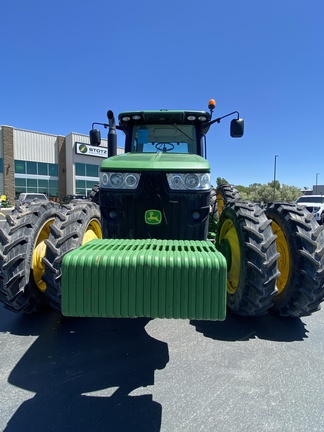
(317, 174)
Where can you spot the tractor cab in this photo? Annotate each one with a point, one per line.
(163, 171)
(164, 131)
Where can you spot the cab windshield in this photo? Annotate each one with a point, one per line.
(164, 138)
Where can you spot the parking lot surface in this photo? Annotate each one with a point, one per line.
(81, 374)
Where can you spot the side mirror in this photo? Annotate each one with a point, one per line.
(237, 128)
(95, 137)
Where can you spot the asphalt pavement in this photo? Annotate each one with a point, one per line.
(81, 374)
(141, 375)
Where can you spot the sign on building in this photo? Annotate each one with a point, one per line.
(88, 150)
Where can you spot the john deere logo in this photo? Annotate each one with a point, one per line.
(153, 217)
(83, 148)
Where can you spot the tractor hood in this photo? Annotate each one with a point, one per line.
(156, 162)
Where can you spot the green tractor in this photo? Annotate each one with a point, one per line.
(156, 240)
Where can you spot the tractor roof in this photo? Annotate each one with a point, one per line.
(163, 117)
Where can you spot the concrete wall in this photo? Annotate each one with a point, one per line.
(8, 162)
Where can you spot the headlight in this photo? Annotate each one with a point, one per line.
(190, 181)
(119, 180)
(116, 180)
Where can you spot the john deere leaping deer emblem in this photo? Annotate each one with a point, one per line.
(153, 217)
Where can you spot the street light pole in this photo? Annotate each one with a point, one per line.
(317, 174)
(274, 176)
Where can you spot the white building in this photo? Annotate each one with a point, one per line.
(40, 162)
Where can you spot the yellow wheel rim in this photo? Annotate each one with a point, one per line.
(230, 247)
(93, 231)
(284, 260)
(220, 204)
(38, 255)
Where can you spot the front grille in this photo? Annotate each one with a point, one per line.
(123, 212)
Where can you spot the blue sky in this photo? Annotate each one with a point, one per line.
(65, 63)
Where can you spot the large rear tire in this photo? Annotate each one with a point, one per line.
(75, 225)
(300, 242)
(246, 240)
(223, 195)
(22, 240)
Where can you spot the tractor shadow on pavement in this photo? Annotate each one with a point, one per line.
(82, 371)
(239, 328)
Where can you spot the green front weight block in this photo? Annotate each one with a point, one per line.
(145, 278)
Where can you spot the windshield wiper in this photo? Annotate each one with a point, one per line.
(182, 132)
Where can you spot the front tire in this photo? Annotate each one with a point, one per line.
(75, 225)
(23, 246)
(94, 194)
(300, 242)
(246, 240)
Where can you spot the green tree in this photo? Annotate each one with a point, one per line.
(264, 193)
(290, 193)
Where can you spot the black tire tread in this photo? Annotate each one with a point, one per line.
(259, 272)
(304, 290)
(66, 235)
(94, 194)
(18, 291)
(229, 194)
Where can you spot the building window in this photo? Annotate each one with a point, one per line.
(31, 167)
(92, 170)
(26, 180)
(91, 184)
(43, 186)
(32, 184)
(53, 188)
(86, 170)
(20, 185)
(87, 176)
(84, 187)
(80, 169)
(80, 187)
(53, 170)
(48, 187)
(1, 165)
(42, 168)
(36, 168)
(20, 167)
